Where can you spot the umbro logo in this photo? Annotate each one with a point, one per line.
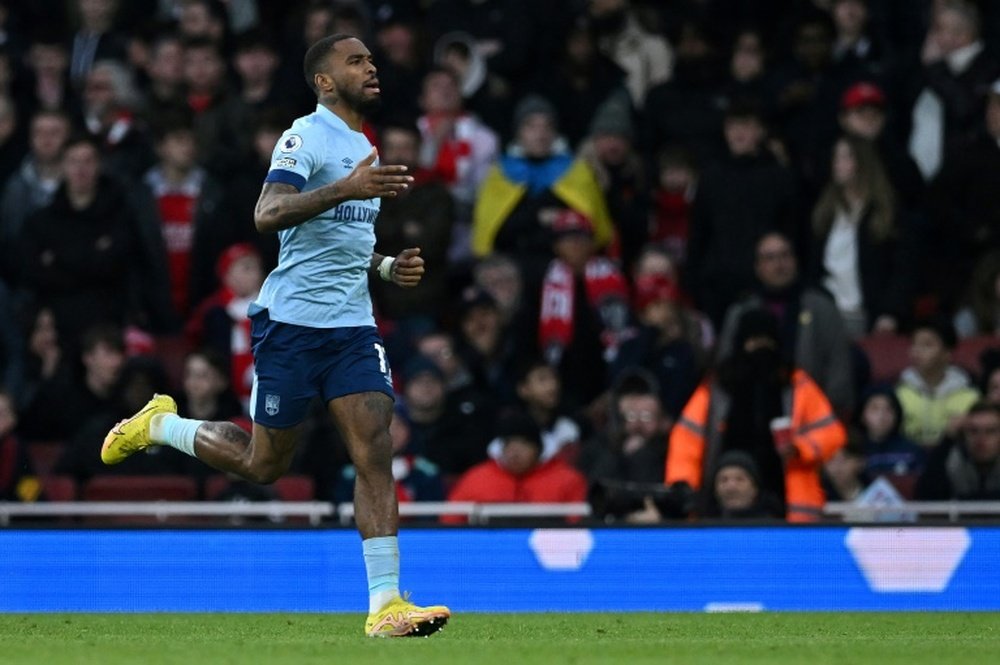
(347, 162)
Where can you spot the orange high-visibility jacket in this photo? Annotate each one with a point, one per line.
(816, 435)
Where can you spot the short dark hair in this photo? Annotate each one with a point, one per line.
(81, 138)
(171, 122)
(317, 53)
(984, 406)
(107, 334)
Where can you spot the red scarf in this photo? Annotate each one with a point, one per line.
(241, 354)
(603, 281)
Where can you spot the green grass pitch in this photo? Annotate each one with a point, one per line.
(505, 639)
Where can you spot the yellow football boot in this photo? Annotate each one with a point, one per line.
(132, 434)
(401, 618)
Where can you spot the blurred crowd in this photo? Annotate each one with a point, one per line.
(685, 258)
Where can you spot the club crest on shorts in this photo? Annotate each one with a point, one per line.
(272, 403)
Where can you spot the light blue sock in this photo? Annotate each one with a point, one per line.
(382, 565)
(169, 429)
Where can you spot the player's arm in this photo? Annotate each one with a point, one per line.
(282, 205)
(404, 270)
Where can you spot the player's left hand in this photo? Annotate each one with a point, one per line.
(408, 268)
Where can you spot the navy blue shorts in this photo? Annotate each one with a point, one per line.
(293, 364)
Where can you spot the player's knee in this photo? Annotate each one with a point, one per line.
(264, 473)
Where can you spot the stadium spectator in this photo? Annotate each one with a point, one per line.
(991, 382)
(486, 346)
(967, 466)
(34, 184)
(864, 250)
(584, 316)
(455, 145)
(165, 75)
(134, 381)
(864, 114)
(981, 313)
(611, 153)
(519, 474)
(662, 343)
(736, 491)
(646, 58)
(624, 461)
(79, 253)
(221, 323)
(577, 80)
(95, 39)
(523, 193)
(539, 392)
(202, 19)
(416, 477)
(739, 199)
(422, 216)
(742, 407)
(205, 390)
(400, 59)
(671, 202)
(110, 100)
(935, 394)
(485, 94)
(440, 431)
(857, 48)
(844, 474)
(209, 97)
(888, 453)
(256, 60)
(500, 276)
(17, 480)
(46, 374)
(965, 223)
(811, 330)
(48, 68)
(950, 89)
(185, 200)
(460, 387)
(686, 111)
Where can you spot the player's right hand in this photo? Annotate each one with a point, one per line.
(368, 182)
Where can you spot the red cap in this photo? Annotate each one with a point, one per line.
(862, 94)
(231, 255)
(655, 288)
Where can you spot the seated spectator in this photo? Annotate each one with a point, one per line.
(164, 70)
(48, 69)
(416, 477)
(844, 474)
(966, 467)
(17, 482)
(421, 216)
(811, 328)
(888, 453)
(624, 461)
(519, 475)
(744, 406)
(522, 194)
(540, 393)
(662, 344)
(584, 309)
(935, 394)
(484, 92)
(864, 251)
(646, 57)
(486, 347)
(981, 313)
(47, 375)
(138, 378)
(500, 276)
(460, 385)
(451, 439)
(736, 491)
(991, 384)
(205, 392)
(221, 322)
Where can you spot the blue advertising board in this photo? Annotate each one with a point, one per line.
(507, 570)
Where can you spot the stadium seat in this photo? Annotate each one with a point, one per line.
(296, 488)
(58, 488)
(141, 488)
(888, 355)
(43, 456)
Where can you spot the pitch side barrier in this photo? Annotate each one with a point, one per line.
(317, 512)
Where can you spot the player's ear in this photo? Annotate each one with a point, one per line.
(323, 81)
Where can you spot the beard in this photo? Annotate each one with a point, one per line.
(360, 102)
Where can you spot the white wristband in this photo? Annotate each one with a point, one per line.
(385, 268)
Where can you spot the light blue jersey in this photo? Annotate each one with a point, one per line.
(322, 276)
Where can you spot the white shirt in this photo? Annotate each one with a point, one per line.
(840, 258)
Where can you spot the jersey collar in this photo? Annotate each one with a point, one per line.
(332, 119)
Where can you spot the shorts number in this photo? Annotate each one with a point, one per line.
(383, 366)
